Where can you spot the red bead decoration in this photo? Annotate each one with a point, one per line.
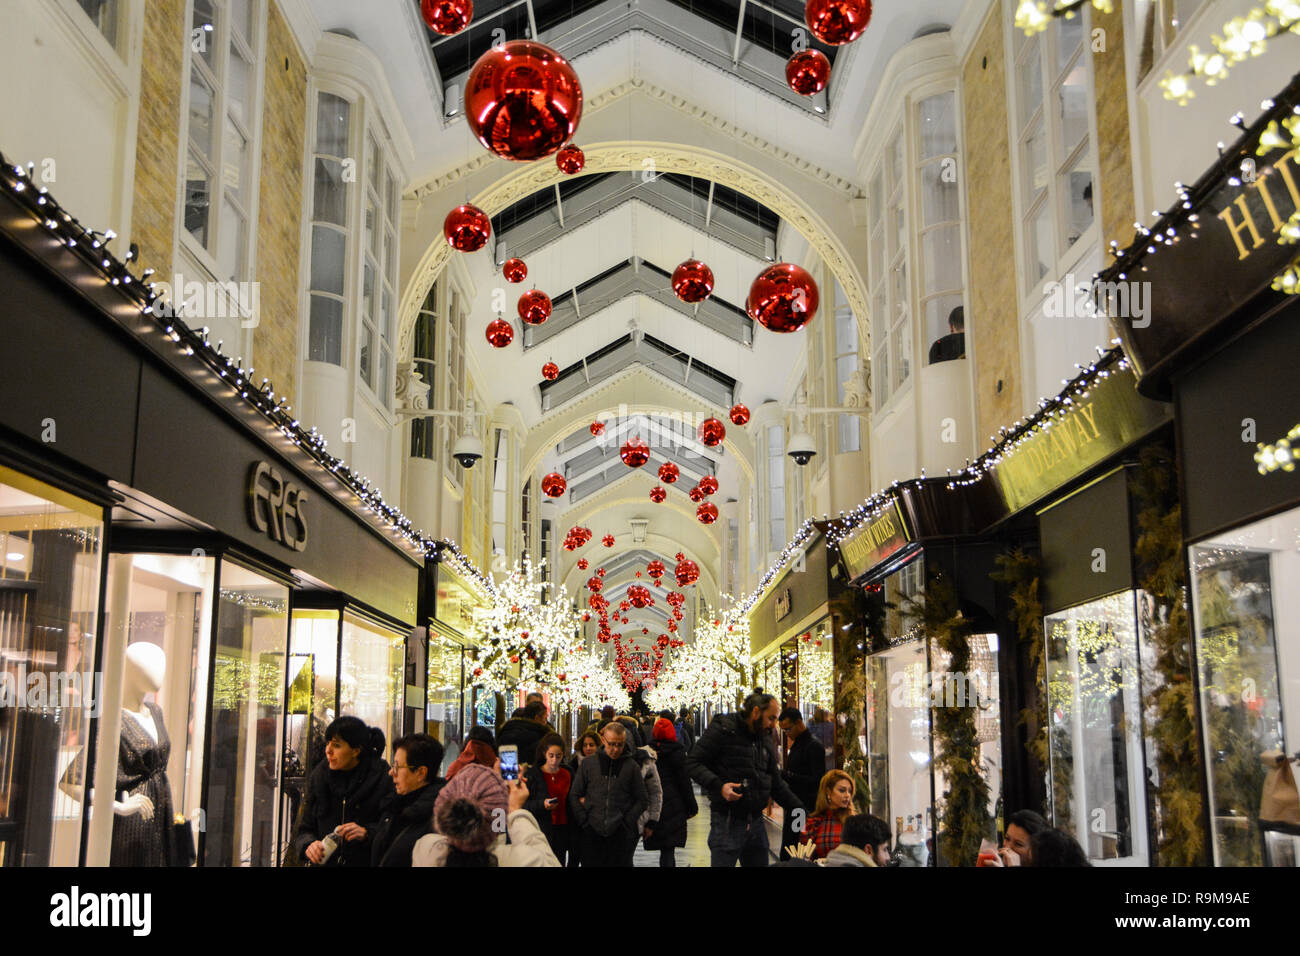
(783, 298)
(523, 100)
(583, 564)
(712, 432)
(697, 494)
(607, 541)
(668, 472)
(739, 415)
(514, 270)
(534, 307)
(553, 485)
(657, 494)
(597, 429)
(693, 281)
(808, 72)
(550, 371)
(837, 21)
(640, 596)
(709, 485)
(687, 573)
(635, 452)
(655, 569)
(467, 228)
(447, 17)
(500, 333)
(594, 583)
(570, 160)
(707, 513)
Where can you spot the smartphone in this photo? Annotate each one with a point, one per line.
(509, 755)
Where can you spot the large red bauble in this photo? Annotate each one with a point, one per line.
(697, 493)
(783, 298)
(582, 564)
(534, 307)
(553, 485)
(570, 160)
(500, 333)
(663, 640)
(467, 228)
(514, 270)
(635, 452)
(837, 21)
(550, 371)
(523, 100)
(709, 485)
(707, 513)
(607, 541)
(739, 415)
(640, 596)
(594, 583)
(657, 494)
(655, 569)
(712, 432)
(687, 572)
(668, 472)
(808, 72)
(447, 17)
(693, 281)
(603, 635)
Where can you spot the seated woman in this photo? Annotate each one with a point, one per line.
(834, 805)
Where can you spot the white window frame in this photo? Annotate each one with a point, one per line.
(380, 193)
(346, 229)
(923, 298)
(1163, 47)
(843, 309)
(775, 495)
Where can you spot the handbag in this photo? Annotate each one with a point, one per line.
(1280, 802)
(182, 852)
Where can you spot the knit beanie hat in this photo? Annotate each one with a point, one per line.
(467, 807)
(664, 730)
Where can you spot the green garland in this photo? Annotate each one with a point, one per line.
(1020, 572)
(850, 680)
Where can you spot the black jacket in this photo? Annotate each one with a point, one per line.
(805, 765)
(537, 797)
(728, 753)
(524, 734)
(409, 817)
(614, 791)
(362, 796)
(679, 797)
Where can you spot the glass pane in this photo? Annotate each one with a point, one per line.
(939, 325)
(376, 169)
(1041, 250)
(234, 172)
(330, 198)
(328, 249)
(232, 242)
(325, 335)
(877, 199)
(239, 87)
(313, 662)
(372, 683)
(442, 715)
(1076, 191)
(241, 18)
(1072, 108)
(1069, 34)
(876, 248)
(386, 315)
(879, 316)
(203, 33)
(846, 366)
(333, 114)
(901, 340)
(899, 744)
(197, 199)
(941, 258)
(1035, 174)
(391, 200)
(1029, 84)
(381, 386)
(368, 289)
(367, 346)
(896, 161)
(389, 266)
(850, 434)
(938, 125)
(880, 377)
(103, 13)
(49, 595)
(200, 114)
(846, 332)
(244, 748)
(371, 238)
(939, 199)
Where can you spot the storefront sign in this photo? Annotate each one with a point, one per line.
(275, 507)
(782, 603)
(875, 541)
(1110, 417)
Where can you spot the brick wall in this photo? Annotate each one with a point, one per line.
(994, 320)
(280, 210)
(1114, 149)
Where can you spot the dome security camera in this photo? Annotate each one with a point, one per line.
(467, 450)
(801, 448)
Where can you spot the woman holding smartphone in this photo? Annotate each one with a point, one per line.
(548, 786)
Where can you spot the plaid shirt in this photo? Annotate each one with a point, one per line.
(823, 831)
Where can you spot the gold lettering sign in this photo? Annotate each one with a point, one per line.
(875, 541)
(1239, 218)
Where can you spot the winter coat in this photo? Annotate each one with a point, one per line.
(727, 752)
(614, 792)
(647, 758)
(524, 734)
(409, 817)
(805, 765)
(361, 796)
(474, 751)
(845, 855)
(679, 797)
(527, 846)
(538, 794)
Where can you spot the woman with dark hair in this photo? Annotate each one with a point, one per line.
(678, 794)
(348, 793)
(1057, 848)
(467, 826)
(834, 805)
(548, 788)
(1017, 843)
(416, 759)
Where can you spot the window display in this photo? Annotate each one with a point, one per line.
(49, 589)
(310, 705)
(898, 742)
(443, 710)
(372, 685)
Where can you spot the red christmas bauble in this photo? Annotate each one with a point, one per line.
(663, 640)
(655, 569)
(657, 494)
(693, 281)
(467, 228)
(645, 630)
(595, 583)
(687, 572)
(447, 17)
(603, 635)
(808, 72)
(697, 494)
(712, 432)
(837, 21)
(553, 485)
(707, 513)
(514, 270)
(534, 307)
(570, 160)
(783, 298)
(523, 100)
(607, 541)
(668, 472)
(739, 415)
(709, 485)
(597, 429)
(677, 613)
(582, 564)
(640, 596)
(500, 333)
(550, 371)
(571, 544)
(635, 452)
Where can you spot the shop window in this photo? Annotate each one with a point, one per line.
(49, 592)
(1098, 783)
(898, 747)
(1246, 597)
(816, 680)
(310, 706)
(372, 683)
(444, 713)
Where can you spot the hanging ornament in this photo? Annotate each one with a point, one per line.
(739, 415)
(655, 569)
(697, 494)
(693, 281)
(570, 160)
(712, 432)
(675, 598)
(668, 472)
(837, 21)
(553, 485)
(639, 595)
(657, 494)
(707, 513)
(645, 630)
(467, 228)
(550, 371)
(582, 564)
(808, 72)
(514, 270)
(534, 307)
(447, 17)
(603, 635)
(595, 583)
(523, 100)
(663, 640)
(783, 298)
(709, 485)
(635, 452)
(500, 333)
(687, 572)
(607, 541)
(571, 544)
